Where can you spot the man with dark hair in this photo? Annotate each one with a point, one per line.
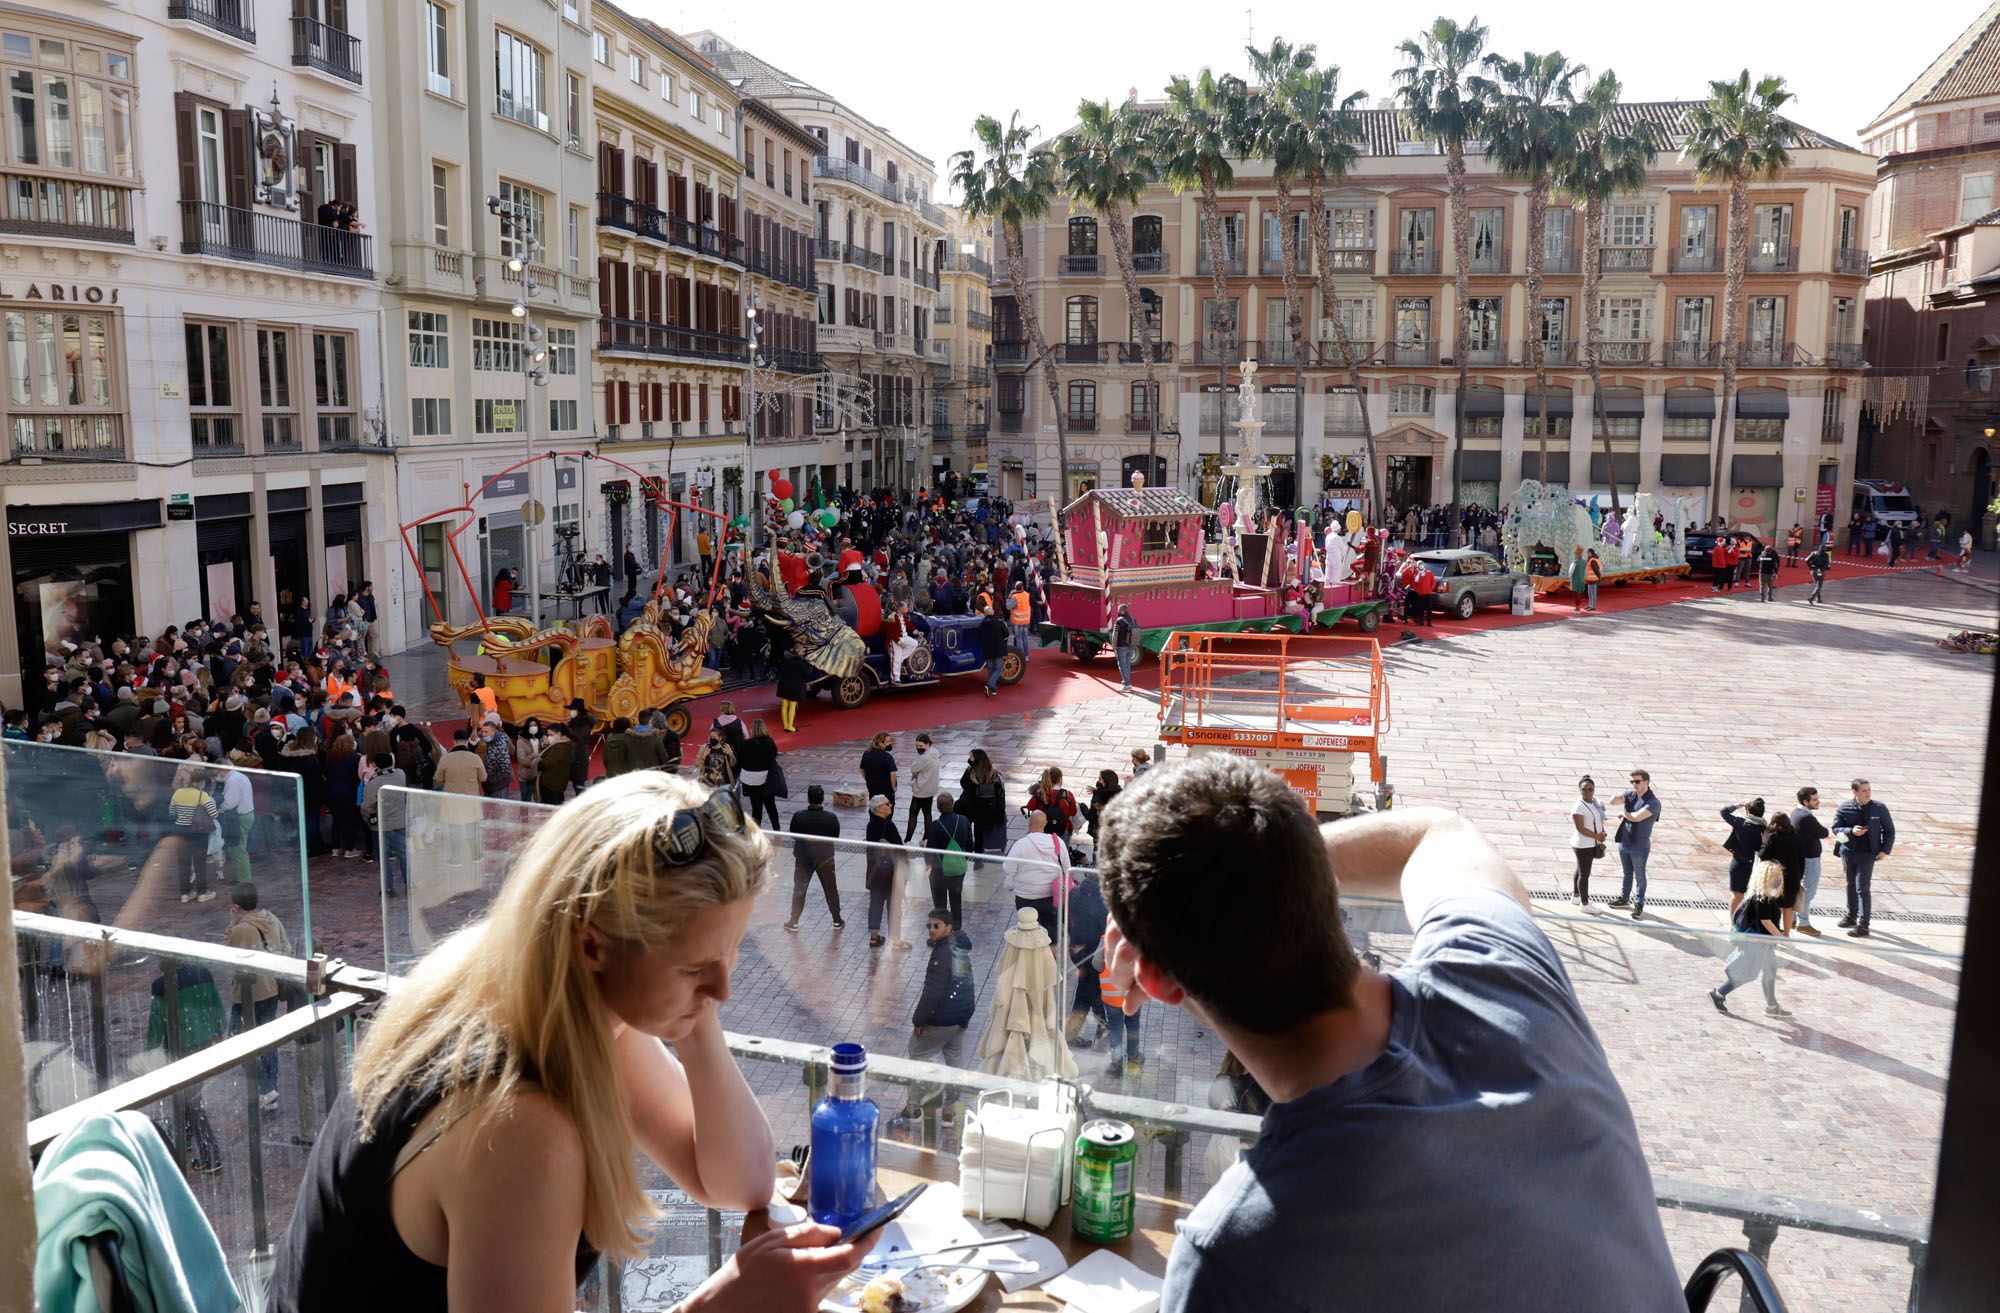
(1866, 834)
(1806, 824)
(945, 1006)
(1465, 1095)
(950, 837)
(814, 857)
(255, 1001)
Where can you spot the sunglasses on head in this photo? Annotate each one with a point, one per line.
(683, 836)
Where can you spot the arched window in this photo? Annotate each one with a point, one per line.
(1083, 236)
(1080, 320)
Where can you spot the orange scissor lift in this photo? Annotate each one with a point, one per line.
(1309, 708)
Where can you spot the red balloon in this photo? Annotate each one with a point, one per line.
(782, 489)
(775, 474)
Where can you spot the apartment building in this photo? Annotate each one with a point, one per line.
(675, 244)
(1933, 312)
(1659, 310)
(193, 396)
(484, 143)
(962, 388)
(776, 192)
(876, 243)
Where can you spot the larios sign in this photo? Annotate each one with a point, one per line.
(87, 293)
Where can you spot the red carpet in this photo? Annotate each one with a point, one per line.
(1056, 679)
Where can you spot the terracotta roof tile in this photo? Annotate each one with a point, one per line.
(1967, 68)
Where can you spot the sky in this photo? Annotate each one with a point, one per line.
(926, 74)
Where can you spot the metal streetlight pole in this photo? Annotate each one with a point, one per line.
(517, 227)
(753, 328)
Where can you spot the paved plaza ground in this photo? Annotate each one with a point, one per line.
(1721, 699)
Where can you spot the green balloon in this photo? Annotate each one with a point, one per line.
(829, 518)
(742, 521)
(786, 505)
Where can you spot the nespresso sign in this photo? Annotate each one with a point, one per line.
(65, 293)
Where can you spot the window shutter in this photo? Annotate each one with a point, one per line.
(604, 287)
(645, 411)
(657, 284)
(624, 403)
(236, 149)
(184, 135)
(610, 401)
(703, 412)
(607, 168)
(621, 291)
(345, 177)
(659, 410)
(687, 400)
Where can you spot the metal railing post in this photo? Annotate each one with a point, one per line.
(714, 1241)
(1761, 1233)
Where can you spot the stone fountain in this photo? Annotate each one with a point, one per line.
(1250, 473)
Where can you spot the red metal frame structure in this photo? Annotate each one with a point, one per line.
(1289, 692)
(661, 501)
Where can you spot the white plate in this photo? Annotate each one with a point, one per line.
(935, 1290)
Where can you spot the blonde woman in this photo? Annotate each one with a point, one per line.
(1759, 921)
(483, 1154)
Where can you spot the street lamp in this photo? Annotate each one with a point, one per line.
(519, 230)
(753, 329)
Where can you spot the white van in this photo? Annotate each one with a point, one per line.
(1888, 502)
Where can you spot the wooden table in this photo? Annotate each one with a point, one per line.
(900, 1167)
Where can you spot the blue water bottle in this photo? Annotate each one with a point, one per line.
(842, 1187)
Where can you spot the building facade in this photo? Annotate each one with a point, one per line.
(1933, 313)
(1659, 310)
(776, 193)
(487, 176)
(189, 292)
(962, 393)
(876, 241)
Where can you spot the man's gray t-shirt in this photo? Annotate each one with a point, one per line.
(1485, 1161)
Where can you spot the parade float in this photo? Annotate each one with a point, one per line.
(1544, 523)
(536, 674)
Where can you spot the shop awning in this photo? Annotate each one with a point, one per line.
(1562, 404)
(1690, 404)
(1757, 471)
(1624, 403)
(1480, 466)
(1485, 402)
(1763, 403)
(1531, 460)
(1626, 463)
(1684, 470)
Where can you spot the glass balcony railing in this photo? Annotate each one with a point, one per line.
(139, 1019)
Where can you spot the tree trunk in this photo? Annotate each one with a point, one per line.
(1031, 323)
(1736, 260)
(1135, 308)
(1538, 229)
(1323, 236)
(1211, 233)
(1295, 319)
(1593, 244)
(1461, 253)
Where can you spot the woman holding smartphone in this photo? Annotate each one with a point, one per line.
(482, 1155)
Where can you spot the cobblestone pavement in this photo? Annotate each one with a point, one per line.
(1721, 700)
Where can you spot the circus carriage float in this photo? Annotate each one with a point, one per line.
(537, 674)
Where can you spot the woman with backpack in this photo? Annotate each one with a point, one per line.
(1058, 804)
(194, 819)
(983, 798)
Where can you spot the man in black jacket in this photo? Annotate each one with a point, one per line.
(993, 640)
(811, 857)
(944, 1008)
(948, 868)
(1806, 824)
(1867, 834)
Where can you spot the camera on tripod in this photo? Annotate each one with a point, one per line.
(567, 532)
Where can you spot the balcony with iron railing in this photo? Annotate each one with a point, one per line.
(232, 18)
(1272, 263)
(1490, 261)
(1079, 264)
(798, 274)
(1351, 260)
(234, 233)
(1772, 258)
(1850, 261)
(36, 206)
(795, 362)
(854, 175)
(941, 315)
(325, 47)
(1413, 262)
(863, 258)
(1692, 355)
(1233, 265)
(888, 269)
(68, 437)
(1412, 351)
(1844, 355)
(645, 220)
(1704, 260)
(1768, 355)
(1010, 421)
(1328, 351)
(1223, 349)
(978, 375)
(1625, 259)
(1080, 421)
(1139, 422)
(978, 319)
(960, 262)
(212, 436)
(1624, 351)
(638, 337)
(926, 278)
(1560, 262)
(1134, 353)
(1561, 354)
(1083, 353)
(1486, 355)
(1149, 262)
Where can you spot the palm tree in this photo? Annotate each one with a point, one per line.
(1198, 139)
(1013, 186)
(1734, 136)
(1327, 150)
(1446, 105)
(1528, 134)
(1608, 158)
(1278, 133)
(1106, 163)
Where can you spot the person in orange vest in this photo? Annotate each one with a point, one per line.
(1795, 538)
(1121, 1014)
(1593, 574)
(488, 703)
(1718, 561)
(1020, 611)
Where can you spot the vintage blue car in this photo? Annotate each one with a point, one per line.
(948, 646)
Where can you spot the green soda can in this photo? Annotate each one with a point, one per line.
(1102, 1191)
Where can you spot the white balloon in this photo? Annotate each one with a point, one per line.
(795, 520)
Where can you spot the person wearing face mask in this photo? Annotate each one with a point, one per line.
(528, 758)
(923, 786)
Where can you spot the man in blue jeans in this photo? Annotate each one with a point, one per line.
(1869, 836)
(1635, 841)
(1806, 824)
(1125, 645)
(994, 638)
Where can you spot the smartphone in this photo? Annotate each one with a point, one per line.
(877, 1218)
